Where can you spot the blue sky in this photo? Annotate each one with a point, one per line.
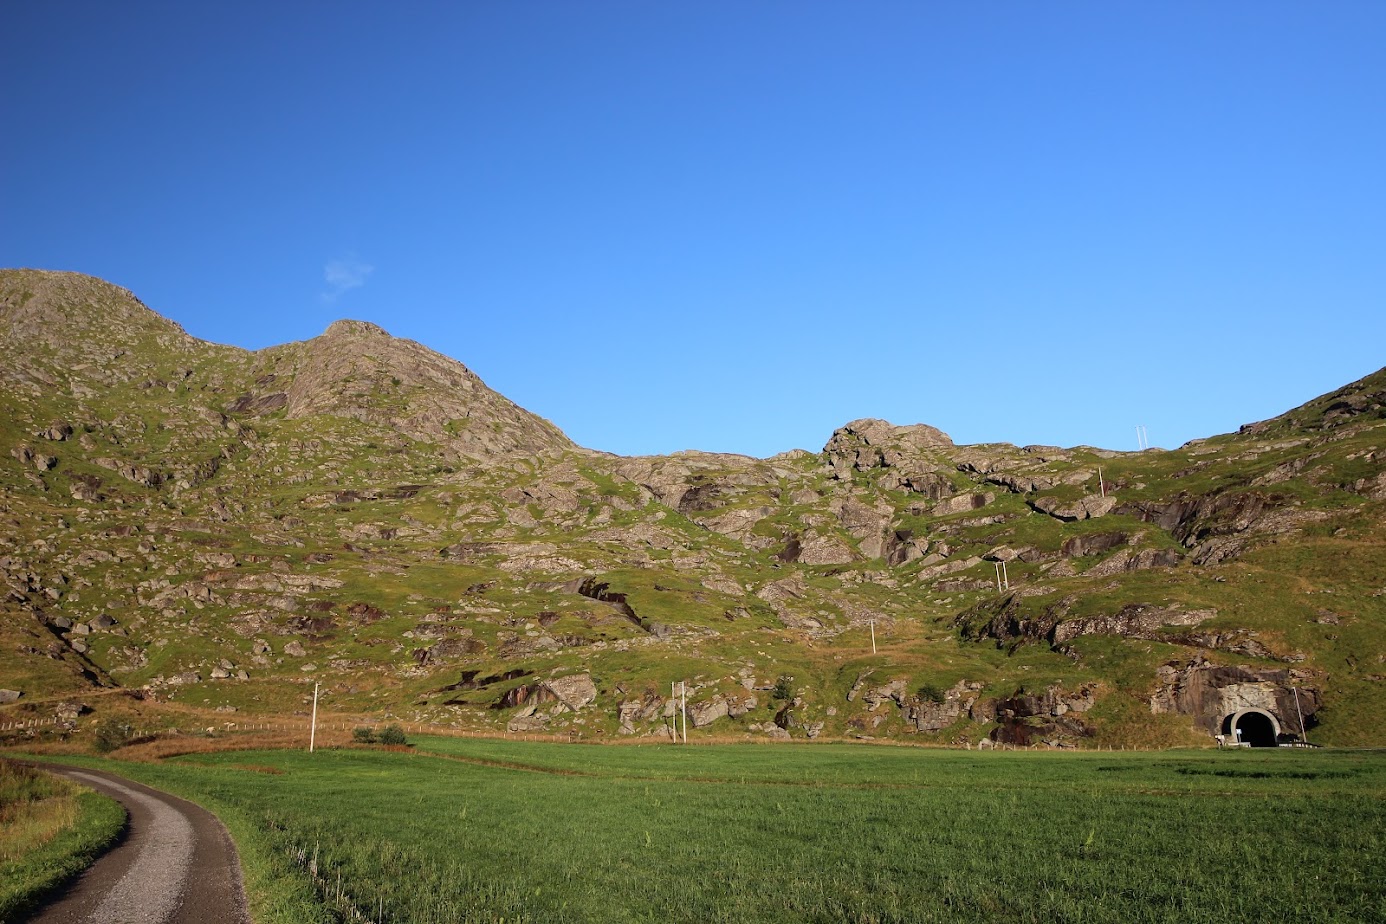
(735, 226)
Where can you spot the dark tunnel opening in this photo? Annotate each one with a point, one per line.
(1257, 729)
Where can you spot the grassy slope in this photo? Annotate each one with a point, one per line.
(278, 497)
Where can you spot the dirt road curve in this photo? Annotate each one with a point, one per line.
(177, 865)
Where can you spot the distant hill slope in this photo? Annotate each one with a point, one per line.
(70, 335)
(215, 528)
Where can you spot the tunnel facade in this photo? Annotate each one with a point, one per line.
(1255, 727)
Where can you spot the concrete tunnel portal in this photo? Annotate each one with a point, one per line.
(1257, 728)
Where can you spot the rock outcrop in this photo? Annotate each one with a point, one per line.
(1209, 693)
(1085, 508)
(1052, 717)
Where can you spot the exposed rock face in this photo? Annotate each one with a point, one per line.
(928, 715)
(1021, 483)
(1134, 560)
(1209, 693)
(574, 691)
(1373, 488)
(601, 591)
(824, 550)
(447, 650)
(1217, 526)
(1052, 717)
(1013, 620)
(1092, 544)
(58, 432)
(902, 546)
(646, 709)
(703, 714)
(1090, 507)
(528, 719)
(786, 598)
(41, 461)
(736, 708)
(695, 481)
(869, 444)
(931, 484)
(892, 691)
(1131, 621)
(962, 503)
(139, 474)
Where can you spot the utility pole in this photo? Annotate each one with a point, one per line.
(684, 690)
(313, 731)
(1301, 716)
(873, 636)
(1101, 485)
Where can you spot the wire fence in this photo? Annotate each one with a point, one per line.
(302, 726)
(22, 724)
(283, 726)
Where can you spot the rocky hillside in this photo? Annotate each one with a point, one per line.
(192, 524)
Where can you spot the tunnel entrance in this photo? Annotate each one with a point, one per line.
(1257, 729)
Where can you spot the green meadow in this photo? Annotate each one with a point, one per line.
(464, 830)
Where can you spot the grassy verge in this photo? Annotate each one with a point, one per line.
(518, 831)
(275, 887)
(50, 830)
(276, 890)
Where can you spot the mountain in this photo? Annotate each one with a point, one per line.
(195, 527)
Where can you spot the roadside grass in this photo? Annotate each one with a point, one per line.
(50, 830)
(276, 891)
(490, 830)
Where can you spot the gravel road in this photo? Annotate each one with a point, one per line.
(176, 865)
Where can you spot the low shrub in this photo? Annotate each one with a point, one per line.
(111, 734)
(930, 694)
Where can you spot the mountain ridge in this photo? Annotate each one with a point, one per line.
(210, 527)
(78, 288)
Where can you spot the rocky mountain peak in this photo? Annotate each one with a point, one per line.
(881, 432)
(879, 436)
(79, 334)
(356, 369)
(869, 444)
(349, 328)
(55, 308)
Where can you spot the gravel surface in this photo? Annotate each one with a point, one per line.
(177, 865)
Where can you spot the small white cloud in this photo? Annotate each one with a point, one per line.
(343, 275)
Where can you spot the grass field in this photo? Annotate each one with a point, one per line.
(50, 829)
(479, 831)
